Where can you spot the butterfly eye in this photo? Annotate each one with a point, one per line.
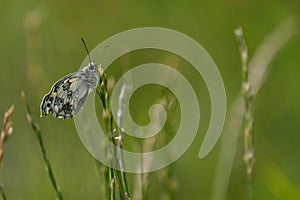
(92, 67)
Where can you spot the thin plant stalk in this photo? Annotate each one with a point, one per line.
(142, 180)
(248, 96)
(117, 179)
(6, 131)
(37, 130)
(120, 141)
(107, 116)
(260, 65)
(171, 181)
(166, 176)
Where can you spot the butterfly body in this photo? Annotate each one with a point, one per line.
(68, 94)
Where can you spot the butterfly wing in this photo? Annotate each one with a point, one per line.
(66, 96)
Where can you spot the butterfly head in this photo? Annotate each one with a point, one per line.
(92, 67)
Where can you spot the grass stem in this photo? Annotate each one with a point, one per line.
(260, 65)
(120, 142)
(6, 131)
(117, 179)
(248, 96)
(37, 130)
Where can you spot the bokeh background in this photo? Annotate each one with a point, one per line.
(40, 43)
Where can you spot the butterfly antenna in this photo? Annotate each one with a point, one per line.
(87, 50)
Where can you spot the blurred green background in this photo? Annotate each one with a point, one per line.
(40, 43)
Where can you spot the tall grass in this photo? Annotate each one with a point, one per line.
(117, 178)
(38, 134)
(259, 68)
(6, 131)
(248, 95)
